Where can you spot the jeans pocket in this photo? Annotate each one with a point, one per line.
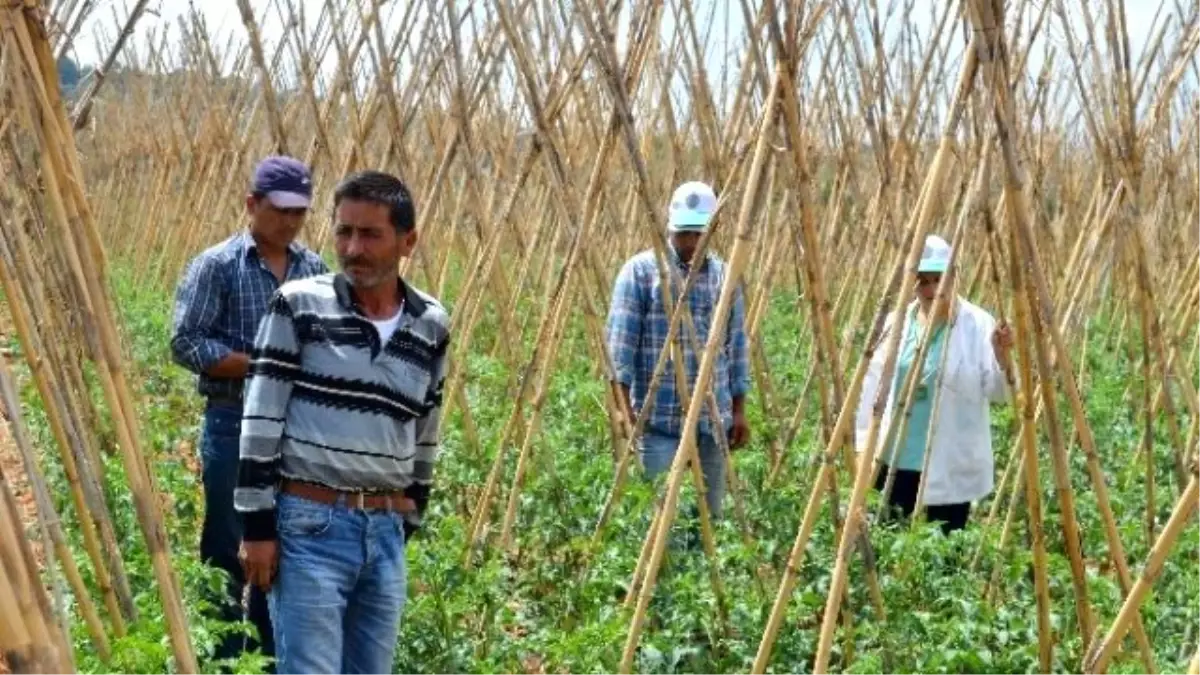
(303, 517)
(220, 451)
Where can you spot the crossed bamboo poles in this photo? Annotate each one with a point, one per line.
(68, 221)
(506, 258)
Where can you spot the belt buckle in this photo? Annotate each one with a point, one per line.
(358, 501)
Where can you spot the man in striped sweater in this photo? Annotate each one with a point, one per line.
(219, 304)
(339, 439)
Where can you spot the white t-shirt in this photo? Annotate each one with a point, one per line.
(386, 327)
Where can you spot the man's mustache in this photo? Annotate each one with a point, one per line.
(354, 260)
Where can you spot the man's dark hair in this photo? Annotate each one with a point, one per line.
(379, 187)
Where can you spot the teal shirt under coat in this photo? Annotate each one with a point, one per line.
(911, 452)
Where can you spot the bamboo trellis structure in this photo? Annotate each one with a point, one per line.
(543, 140)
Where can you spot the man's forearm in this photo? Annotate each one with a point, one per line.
(235, 365)
(209, 357)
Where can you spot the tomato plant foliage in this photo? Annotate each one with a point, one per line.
(551, 603)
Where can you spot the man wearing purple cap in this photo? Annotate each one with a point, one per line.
(218, 307)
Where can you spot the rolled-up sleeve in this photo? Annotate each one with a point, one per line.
(199, 303)
(623, 330)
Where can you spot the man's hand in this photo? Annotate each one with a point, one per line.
(235, 365)
(1002, 342)
(739, 435)
(260, 562)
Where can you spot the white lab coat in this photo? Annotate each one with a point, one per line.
(961, 465)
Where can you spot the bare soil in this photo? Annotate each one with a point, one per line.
(18, 482)
(14, 474)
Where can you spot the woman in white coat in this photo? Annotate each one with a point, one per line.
(972, 375)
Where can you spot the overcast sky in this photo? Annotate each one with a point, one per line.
(223, 18)
(727, 28)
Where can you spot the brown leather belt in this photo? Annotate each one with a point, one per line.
(388, 501)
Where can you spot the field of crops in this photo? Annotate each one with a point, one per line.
(542, 139)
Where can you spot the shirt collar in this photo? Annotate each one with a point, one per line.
(411, 303)
(250, 246)
(673, 256)
(955, 308)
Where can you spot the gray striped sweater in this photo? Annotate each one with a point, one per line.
(326, 403)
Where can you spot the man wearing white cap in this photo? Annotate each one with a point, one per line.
(218, 306)
(972, 375)
(637, 330)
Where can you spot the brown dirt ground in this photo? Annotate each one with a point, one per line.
(18, 482)
(14, 468)
(14, 475)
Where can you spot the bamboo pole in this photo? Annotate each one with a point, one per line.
(49, 519)
(1098, 661)
(268, 88)
(367, 100)
(1015, 177)
(80, 476)
(69, 212)
(589, 207)
(83, 108)
(916, 236)
(972, 202)
(39, 645)
(1029, 447)
(1062, 480)
(982, 18)
(687, 445)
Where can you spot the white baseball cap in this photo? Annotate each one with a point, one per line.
(692, 207)
(936, 256)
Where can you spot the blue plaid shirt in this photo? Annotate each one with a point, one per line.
(220, 302)
(637, 330)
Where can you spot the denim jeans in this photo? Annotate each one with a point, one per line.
(221, 533)
(658, 452)
(340, 590)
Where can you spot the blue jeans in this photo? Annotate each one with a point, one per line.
(221, 533)
(658, 452)
(339, 593)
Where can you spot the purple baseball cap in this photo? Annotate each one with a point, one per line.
(285, 181)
